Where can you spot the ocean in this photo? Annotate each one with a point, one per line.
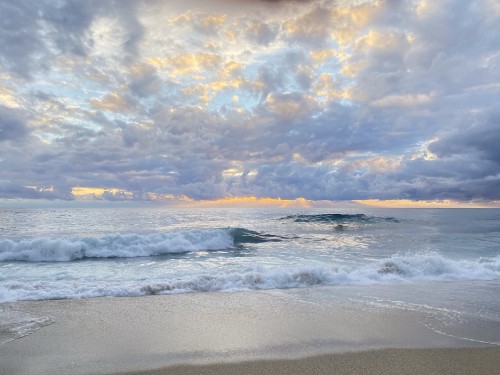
(444, 263)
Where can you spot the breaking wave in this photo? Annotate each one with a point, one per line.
(398, 268)
(338, 218)
(66, 249)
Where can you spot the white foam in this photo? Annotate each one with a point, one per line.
(121, 245)
(398, 268)
(15, 324)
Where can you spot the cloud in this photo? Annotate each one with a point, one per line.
(290, 105)
(186, 63)
(261, 33)
(18, 36)
(12, 124)
(12, 190)
(144, 80)
(116, 102)
(33, 33)
(467, 163)
(316, 99)
(209, 24)
(311, 27)
(66, 24)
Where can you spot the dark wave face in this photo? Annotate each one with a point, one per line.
(242, 236)
(338, 218)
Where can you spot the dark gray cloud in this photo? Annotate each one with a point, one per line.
(14, 191)
(144, 81)
(19, 41)
(34, 33)
(475, 135)
(66, 23)
(12, 124)
(467, 164)
(466, 167)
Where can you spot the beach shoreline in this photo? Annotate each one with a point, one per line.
(229, 332)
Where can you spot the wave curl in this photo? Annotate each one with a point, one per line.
(67, 249)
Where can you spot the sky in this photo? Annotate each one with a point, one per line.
(143, 100)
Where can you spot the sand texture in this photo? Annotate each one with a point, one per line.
(112, 335)
(389, 361)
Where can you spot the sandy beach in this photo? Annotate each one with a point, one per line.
(280, 331)
(387, 361)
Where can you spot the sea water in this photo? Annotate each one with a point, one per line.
(444, 262)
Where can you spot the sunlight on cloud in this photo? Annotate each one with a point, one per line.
(252, 202)
(403, 100)
(325, 86)
(231, 172)
(425, 7)
(381, 40)
(187, 63)
(376, 164)
(8, 98)
(322, 55)
(115, 102)
(99, 193)
(351, 69)
(290, 106)
(423, 151)
(263, 98)
(107, 36)
(40, 188)
(209, 23)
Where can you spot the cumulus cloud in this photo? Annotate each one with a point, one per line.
(316, 99)
(35, 33)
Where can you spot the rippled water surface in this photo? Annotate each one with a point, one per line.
(76, 253)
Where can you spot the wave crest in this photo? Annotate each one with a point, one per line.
(128, 245)
(398, 268)
(338, 218)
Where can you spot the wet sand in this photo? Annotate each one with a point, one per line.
(389, 361)
(220, 333)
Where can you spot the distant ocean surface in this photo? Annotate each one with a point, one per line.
(78, 253)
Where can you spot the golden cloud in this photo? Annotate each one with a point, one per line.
(252, 202)
(7, 98)
(82, 192)
(320, 56)
(212, 21)
(187, 63)
(114, 102)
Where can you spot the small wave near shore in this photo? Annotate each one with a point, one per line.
(396, 269)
